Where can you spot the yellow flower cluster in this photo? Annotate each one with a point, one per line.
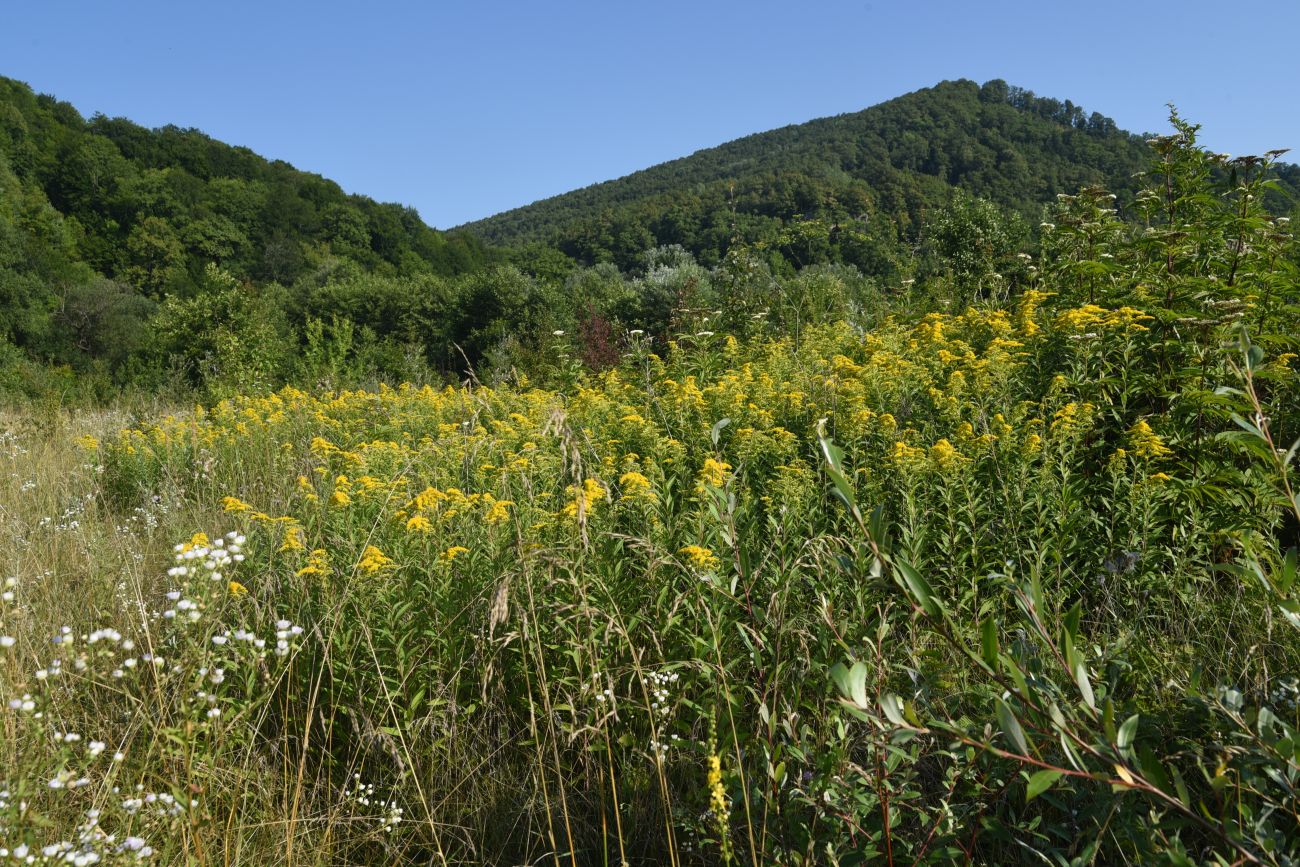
(1147, 443)
(700, 557)
(1093, 319)
(414, 476)
(373, 560)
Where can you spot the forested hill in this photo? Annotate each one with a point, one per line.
(879, 168)
(152, 207)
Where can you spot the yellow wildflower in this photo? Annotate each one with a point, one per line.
(945, 457)
(237, 589)
(372, 560)
(293, 540)
(635, 486)
(584, 500)
(498, 512)
(317, 564)
(713, 474)
(700, 557)
(1146, 442)
(453, 552)
(1072, 418)
(419, 524)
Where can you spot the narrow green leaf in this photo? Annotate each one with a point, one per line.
(1011, 728)
(840, 677)
(1040, 782)
(1247, 426)
(892, 705)
(1085, 687)
(1072, 621)
(716, 433)
(858, 684)
(917, 587)
(1287, 574)
(1124, 738)
(1153, 770)
(989, 641)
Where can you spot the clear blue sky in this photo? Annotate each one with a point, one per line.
(464, 109)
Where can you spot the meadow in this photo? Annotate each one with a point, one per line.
(1006, 576)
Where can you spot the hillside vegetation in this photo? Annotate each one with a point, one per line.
(873, 175)
(164, 263)
(987, 568)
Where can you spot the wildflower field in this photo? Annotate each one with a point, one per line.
(1009, 581)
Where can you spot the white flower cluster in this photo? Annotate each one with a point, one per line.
(196, 560)
(661, 708)
(92, 845)
(363, 795)
(661, 693)
(194, 673)
(10, 442)
(69, 519)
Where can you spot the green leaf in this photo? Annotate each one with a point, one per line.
(892, 706)
(1085, 687)
(1072, 621)
(1153, 770)
(1011, 728)
(989, 641)
(917, 587)
(851, 682)
(1041, 782)
(1247, 426)
(1287, 574)
(716, 433)
(1124, 739)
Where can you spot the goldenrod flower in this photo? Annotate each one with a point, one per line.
(498, 512)
(635, 486)
(700, 557)
(373, 560)
(317, 564)
(237, 589)
(293, 540)
(1146, 442)
(713, 474)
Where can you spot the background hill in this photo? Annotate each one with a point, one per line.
(162, 258)
(877, 170)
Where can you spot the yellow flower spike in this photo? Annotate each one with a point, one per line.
(498, 512)
(453, 552)
(1146, 442)
(234, 504)
(293, 540)
(700, 557)
(419, 524)
(317, 564)
(373, 560)
(713, 474)
(635, 486)
(237, 589)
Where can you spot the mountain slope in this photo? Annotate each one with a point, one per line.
(153, 206)
(885, 164)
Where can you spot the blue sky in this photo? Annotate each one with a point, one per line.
(464, 109)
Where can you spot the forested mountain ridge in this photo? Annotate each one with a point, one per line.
(879, 169)
(164, 260)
